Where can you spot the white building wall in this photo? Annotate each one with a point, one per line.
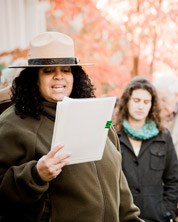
(20, 21)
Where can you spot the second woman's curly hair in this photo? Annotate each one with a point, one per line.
(26, 95)
(138, 83)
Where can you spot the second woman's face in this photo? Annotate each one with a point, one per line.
(55, 82)
(139, 105)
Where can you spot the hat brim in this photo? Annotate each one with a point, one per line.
(50, 65)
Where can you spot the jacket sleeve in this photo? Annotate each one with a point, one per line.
(18, 183)
(114, 138)
(128, 210)
(170, 179)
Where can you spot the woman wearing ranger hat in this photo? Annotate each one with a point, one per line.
(35, 185)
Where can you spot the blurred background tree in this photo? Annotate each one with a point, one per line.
(123, 38)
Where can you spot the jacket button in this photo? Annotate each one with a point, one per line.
(136, 162)
(137, 190)
(168, 215)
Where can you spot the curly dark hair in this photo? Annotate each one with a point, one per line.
(26, 95)
(138, 83)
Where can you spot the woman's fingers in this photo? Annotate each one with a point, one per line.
(55, 157)
(63, 157)
(54, 151)
(50, 165)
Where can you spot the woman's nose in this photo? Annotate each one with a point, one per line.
(141, 104)
(58, 74)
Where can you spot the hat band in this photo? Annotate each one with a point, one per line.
(53, 61)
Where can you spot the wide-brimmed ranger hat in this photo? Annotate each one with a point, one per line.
(51, 49)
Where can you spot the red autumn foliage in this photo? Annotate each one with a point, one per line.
(123, 38)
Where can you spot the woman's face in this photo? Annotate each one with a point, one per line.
(168, 102)
(55, 82)
(139, 105)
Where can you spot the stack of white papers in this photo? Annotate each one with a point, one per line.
(82, 125)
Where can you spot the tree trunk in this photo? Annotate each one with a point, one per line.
(134, 71)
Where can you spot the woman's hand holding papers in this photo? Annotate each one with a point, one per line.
(49, 166)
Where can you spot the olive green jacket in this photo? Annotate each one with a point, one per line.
(87, 192)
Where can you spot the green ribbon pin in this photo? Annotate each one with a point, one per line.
(108, 124)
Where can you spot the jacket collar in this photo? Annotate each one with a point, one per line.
(124, 139)
(50, 110)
